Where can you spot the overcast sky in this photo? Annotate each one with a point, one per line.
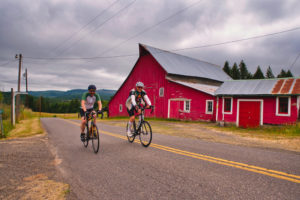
(109, 28)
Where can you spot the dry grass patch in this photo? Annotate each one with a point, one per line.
(25, 128)
(40, 187)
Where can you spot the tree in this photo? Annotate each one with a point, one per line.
(1, 97)
(289, 74)
(282, 74)
(227, 69)
(244, 71)
(235, 72)
(269, 73)
(258, 74)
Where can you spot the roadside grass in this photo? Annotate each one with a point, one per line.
(25, 128)
(266, 132)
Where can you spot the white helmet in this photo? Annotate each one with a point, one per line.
(139, 84)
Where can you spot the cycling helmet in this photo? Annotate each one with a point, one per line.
(139, 84)
(92, 87)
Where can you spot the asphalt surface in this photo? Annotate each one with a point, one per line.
(192, 169)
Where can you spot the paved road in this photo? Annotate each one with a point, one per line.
(171, 168)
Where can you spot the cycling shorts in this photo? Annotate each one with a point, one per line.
(82, 112)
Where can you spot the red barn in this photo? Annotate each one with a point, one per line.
(178, 86)
(251, 103)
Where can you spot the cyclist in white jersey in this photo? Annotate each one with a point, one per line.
(87, 105)
(136, 96)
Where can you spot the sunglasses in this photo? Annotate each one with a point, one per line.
(92, 91)
(140, 87)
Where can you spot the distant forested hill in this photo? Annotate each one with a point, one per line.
(71, 94)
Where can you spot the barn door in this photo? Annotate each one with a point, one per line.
(174, 109)
(249, 114)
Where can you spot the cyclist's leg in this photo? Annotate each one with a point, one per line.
(82, 125)
(131, 120)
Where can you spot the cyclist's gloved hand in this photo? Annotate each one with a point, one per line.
(136, 108)
(99, 111)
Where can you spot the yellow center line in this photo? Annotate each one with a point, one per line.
(252, 168)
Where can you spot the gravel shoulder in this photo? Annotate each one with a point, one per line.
(28, 170)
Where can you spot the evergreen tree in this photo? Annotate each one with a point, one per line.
(1, 97)
(258, 74)
(282, 74)
(244, 71)
(269, 73)
(227, 69)
(289, 74)
(235, 72)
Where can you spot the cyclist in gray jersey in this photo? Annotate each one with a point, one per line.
(87, 105)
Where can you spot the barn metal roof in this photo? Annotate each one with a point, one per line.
(286, 86)
(182, 65)
(209, 89)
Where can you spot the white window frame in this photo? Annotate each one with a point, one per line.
(206, 110)
(161, 92)
(289, 107)
(120, 108)
(230, 106)
(184, 106)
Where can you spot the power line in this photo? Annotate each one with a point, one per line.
(7, 63)
(295, 61)
(148, 28)
(83, 27)
(196, 47)
(121, 10)
(239, 40)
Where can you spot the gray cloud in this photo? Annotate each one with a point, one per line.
(42, 28)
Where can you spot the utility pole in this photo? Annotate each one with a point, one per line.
(12, 116)
(26, 78)
(19, 86)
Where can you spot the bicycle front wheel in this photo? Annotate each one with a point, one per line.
(145, 134)
(86, 139)
(95, 139)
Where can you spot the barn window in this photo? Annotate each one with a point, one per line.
(227, 105)
(283, 106)
(187, 106)
(120, 108)
(161, 92)
(209, 106)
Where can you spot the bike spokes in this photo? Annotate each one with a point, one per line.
(145, 134)
(95, 139)
(130, 138)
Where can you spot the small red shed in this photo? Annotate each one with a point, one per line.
(178, 86)
(251, 103)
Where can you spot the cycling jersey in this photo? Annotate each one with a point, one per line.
(136, 97)
(90, 100)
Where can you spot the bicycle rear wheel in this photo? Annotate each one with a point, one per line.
(145, 134)
(95, 139)
(130, 139)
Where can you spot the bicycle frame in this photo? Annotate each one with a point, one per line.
(89, 116)
(141, 120)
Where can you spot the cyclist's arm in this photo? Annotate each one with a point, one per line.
(133, 100)
(98, 101)
(146, 98)
(83, 105)
(99, 105)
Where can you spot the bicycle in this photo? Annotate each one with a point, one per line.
(92, 132)
(143, 130)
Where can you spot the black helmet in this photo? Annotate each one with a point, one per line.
(92, 87)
